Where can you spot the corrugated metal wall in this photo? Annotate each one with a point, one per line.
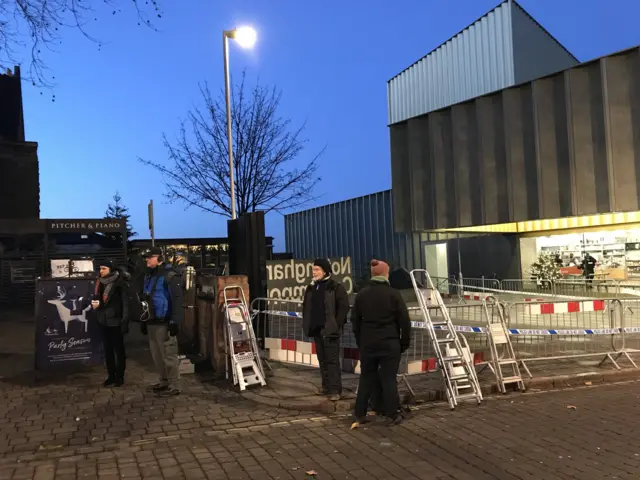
(503, 48)
(476, 61)
(361, 228)
(560, 146)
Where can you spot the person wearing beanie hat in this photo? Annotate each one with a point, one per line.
(111, 304)
(382, 329)
(324, 312)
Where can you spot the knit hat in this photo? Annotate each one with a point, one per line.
(108, 264)
(379, 268)
(324, 264)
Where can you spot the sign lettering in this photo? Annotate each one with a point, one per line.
(98, 225)
(288, 279)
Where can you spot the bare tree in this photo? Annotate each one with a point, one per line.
(265, 150)
(29, 28)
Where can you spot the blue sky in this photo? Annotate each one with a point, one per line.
(331, 59)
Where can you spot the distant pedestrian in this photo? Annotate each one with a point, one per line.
(162, 294)
(111, 303)
(588, 268)
(382, 329)
(324, 311)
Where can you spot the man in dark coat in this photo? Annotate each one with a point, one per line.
(324, 313)
(382, 329)
(588, 268)
(111, 304)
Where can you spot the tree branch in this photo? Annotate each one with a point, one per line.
(196, 171)
(37, 26)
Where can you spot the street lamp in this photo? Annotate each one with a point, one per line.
(246, 38)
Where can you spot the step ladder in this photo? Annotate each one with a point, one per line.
(243, 357)
(452, 351)
(504, 363)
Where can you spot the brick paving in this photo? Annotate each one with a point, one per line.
(79, 431)
(71, 428)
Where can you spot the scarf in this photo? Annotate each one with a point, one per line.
(380, 280)
(108, 283)
(324, 279)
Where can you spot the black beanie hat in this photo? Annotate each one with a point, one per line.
(324, 264)
(108, 264)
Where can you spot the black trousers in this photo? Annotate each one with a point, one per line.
(378, 370)
(114, 354)
(328, 351)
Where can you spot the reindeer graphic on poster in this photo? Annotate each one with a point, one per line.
(66, 314)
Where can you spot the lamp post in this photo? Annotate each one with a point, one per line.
(246, 38)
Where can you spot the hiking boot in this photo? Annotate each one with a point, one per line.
(168, 392)
(109, 382)
(158, 387)
(361, 419)
(119, 382)
(333, 397)
(395, 420)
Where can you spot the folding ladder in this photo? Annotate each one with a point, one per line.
(453, 354)
(242, 348)
(503, 357)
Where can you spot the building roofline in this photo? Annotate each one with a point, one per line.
(549, 34)
(582, 64)
(339, 201)
(502, 2)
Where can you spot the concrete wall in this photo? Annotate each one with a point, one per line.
(564, 145)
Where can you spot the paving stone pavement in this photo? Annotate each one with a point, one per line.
(76, 430)
(70, 427)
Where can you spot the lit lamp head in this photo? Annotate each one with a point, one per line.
(244, 36)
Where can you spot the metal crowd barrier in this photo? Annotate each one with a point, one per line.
(568, 329)
(549, 329)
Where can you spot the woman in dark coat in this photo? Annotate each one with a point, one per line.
(111, 304)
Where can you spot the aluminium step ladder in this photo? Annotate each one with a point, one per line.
(504, 363)
(242, 347)
(452, 351)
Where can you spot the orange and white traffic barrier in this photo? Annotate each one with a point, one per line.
(475, 295)
(566, 307)
(295, 351)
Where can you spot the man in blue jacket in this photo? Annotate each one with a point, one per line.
(163, 314)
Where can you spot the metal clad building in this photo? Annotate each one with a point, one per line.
(362, 228)
(561, 146)
(504, 47)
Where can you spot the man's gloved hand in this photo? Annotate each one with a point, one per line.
(143, 328)
(173, 329)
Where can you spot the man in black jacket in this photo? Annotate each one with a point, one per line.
(324, 313)
(382, 329)
(111, 304)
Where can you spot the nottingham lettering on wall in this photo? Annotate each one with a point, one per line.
(290, 278)
(87, 225)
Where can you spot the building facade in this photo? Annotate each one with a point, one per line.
(444, 178)
(361, 228)
(19, 178)
(504, 47)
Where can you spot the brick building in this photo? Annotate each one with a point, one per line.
(19, 180)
